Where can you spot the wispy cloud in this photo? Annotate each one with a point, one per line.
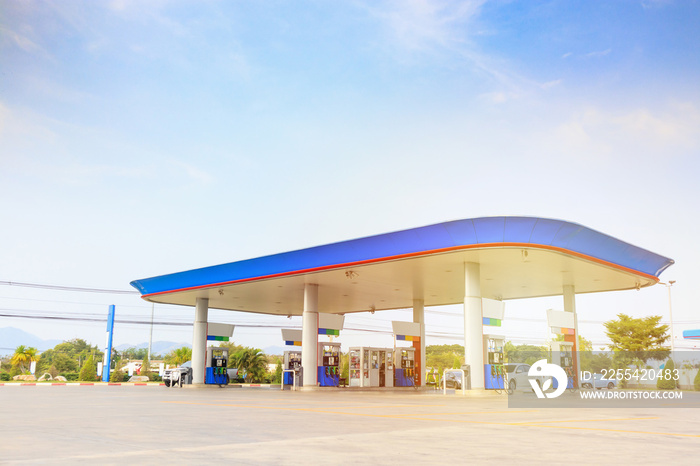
(598, 53)
(550, 84)
(423, 28)
(424, 24)
(193, 173)
(636, 132)
(21, 41)
(649, 4)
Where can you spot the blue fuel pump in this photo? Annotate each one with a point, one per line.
(217, 366)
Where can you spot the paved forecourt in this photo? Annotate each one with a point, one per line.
(122, 424)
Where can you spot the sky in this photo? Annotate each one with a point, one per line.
(144, 138)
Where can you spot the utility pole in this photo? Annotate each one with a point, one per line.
(670, 312)
(150, 338)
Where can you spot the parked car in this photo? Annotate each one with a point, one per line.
(453, 379)
(179, 375)
(518, 378)
(599, 382)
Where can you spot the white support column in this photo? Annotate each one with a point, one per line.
(570, 306)
(199, 340)
(473, 324)
(419, 317)
(309, 336)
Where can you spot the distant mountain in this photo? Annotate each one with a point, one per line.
(158, 347)
(278, 350)
(11, 338)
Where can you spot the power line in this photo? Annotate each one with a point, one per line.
(68, 288)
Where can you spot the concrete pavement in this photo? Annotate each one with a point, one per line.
(124, 424)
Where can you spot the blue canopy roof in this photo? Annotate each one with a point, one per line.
(489, 232)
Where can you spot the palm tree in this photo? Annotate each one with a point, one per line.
(23, 357)
(179, 356)
(252, 361)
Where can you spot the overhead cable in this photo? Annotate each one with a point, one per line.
(68, 288)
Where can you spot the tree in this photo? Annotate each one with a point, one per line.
(137, 353)
(79, 349)
(696, 382)
(640, 338)
(146, 368)
(443, 357)
(344, 366)
(252, 362)
(115, 360)
(595, 363)
(116, 376)
(232, 347)
(278, 373)
(89, 371)
(61, 361)
(527, 354)
(583, 344)
(23, 357)
(668, 379)
(179, 356)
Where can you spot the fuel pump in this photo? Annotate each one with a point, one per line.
(329, 364)
(217, 366)
(493, 362)
(405, 367)
(292, 362)
(563, 355)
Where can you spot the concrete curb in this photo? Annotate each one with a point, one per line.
(82, 384)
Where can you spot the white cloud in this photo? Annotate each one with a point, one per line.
(193, 173)
(21, 125)
(497, 97)
(21, 41)
(649, 4)
(424, 25)
(598, 53)
(424, 28)
(550, 84)
(637, 133)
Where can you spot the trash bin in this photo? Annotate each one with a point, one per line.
(467, 376)
(299, 376)
(187, 376)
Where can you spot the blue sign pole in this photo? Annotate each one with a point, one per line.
(108, 345)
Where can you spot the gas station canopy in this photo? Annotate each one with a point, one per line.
(520, 257)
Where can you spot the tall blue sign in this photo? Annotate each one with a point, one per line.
(108, 345)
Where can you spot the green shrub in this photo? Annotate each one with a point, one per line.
(70, 376)
(117, 376)
(696, 382)
(5, 376)
(146, 368)
(154, 377)
(667, 380)
(15, 371)
(89, 371)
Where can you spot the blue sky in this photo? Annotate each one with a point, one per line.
(141, 138)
